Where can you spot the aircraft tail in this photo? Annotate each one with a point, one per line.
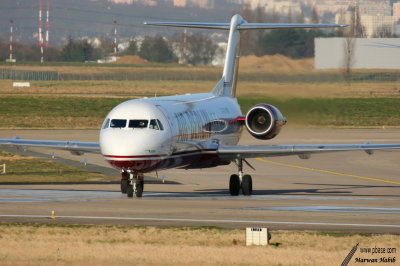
(227, 85)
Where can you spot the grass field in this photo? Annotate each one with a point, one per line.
(22, 169)
(52, 244)
(142, 88)
(89, 112)
(83, 104)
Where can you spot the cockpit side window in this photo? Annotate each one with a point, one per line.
(138, 123)
(106, 123)
(154, 125)
(160, 125)
(118, 123)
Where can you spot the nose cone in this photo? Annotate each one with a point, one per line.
(135, 150)
(132, 148)
(121, 142)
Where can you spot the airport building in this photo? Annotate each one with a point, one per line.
(366, 53)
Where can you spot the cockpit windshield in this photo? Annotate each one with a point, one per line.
(138, 123)
(118, 123)
(154, 124)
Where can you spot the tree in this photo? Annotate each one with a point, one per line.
(247, 38)
(260, 16)
(200, 49)
(156, 49)
(314, 16)
(294, 43)
(300, 17)
(77, 51)
(132, 48)
(289, 16)
(106, 48)
(384, 31)
(353, 31)
(273, 17)
(358, 28)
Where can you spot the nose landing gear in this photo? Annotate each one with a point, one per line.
(237, 182)
(132, 182)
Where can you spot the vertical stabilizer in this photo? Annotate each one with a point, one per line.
(227, 85)
(232, 58)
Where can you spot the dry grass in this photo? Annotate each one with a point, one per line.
(132, 59)
(20, 167)
(277, 62)
(149, 88)
(118, 245)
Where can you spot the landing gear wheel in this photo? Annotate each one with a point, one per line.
(247, 185)
(234, 185)
(124, 182)
(139, 188)
(129, 191)
(124, 185)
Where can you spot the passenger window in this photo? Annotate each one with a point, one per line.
(138, 123)
(153, 124)
(106, 123)
(118, 123)
(160, 125)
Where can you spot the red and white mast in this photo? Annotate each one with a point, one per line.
(11, 39)
(184, 45)
(47, 26)
(40, 23)
(40, 32)
(115, 38)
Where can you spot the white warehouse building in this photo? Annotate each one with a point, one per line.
(369, 53)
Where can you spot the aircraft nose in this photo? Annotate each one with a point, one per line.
(132, 142)
(137, 150)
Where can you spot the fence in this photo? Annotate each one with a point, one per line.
(210, 75)
(28, 75)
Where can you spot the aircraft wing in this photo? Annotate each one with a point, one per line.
(303, 151)
(76, 147)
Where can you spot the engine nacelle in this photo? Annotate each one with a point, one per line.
(264, 121)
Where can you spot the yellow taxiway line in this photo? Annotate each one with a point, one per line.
(325, 171)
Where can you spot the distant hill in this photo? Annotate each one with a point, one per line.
(78, 18)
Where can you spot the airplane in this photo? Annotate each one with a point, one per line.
(194, 130)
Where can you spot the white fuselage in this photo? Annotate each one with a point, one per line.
(144, 135)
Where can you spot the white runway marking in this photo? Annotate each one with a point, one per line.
(44, 195)
(199, 220)
(345, 209)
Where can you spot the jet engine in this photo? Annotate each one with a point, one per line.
(264, 121)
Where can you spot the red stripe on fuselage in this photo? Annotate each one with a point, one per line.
(184, 153)
(143, 163)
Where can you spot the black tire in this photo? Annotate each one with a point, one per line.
(129, 191)
(234, 185)
(139, 188)
(247, 185)
(124, 186)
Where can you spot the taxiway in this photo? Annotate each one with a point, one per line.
(346, 191)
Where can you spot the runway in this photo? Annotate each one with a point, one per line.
(348, 191)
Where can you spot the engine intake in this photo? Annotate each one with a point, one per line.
(264, 121)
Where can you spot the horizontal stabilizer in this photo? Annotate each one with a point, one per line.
(198, 25)
(270, 26)
(242, 26)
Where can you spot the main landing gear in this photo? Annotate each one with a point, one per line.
(237, 182)
(132, 182)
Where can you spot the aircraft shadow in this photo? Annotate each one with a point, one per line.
(323, 190)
